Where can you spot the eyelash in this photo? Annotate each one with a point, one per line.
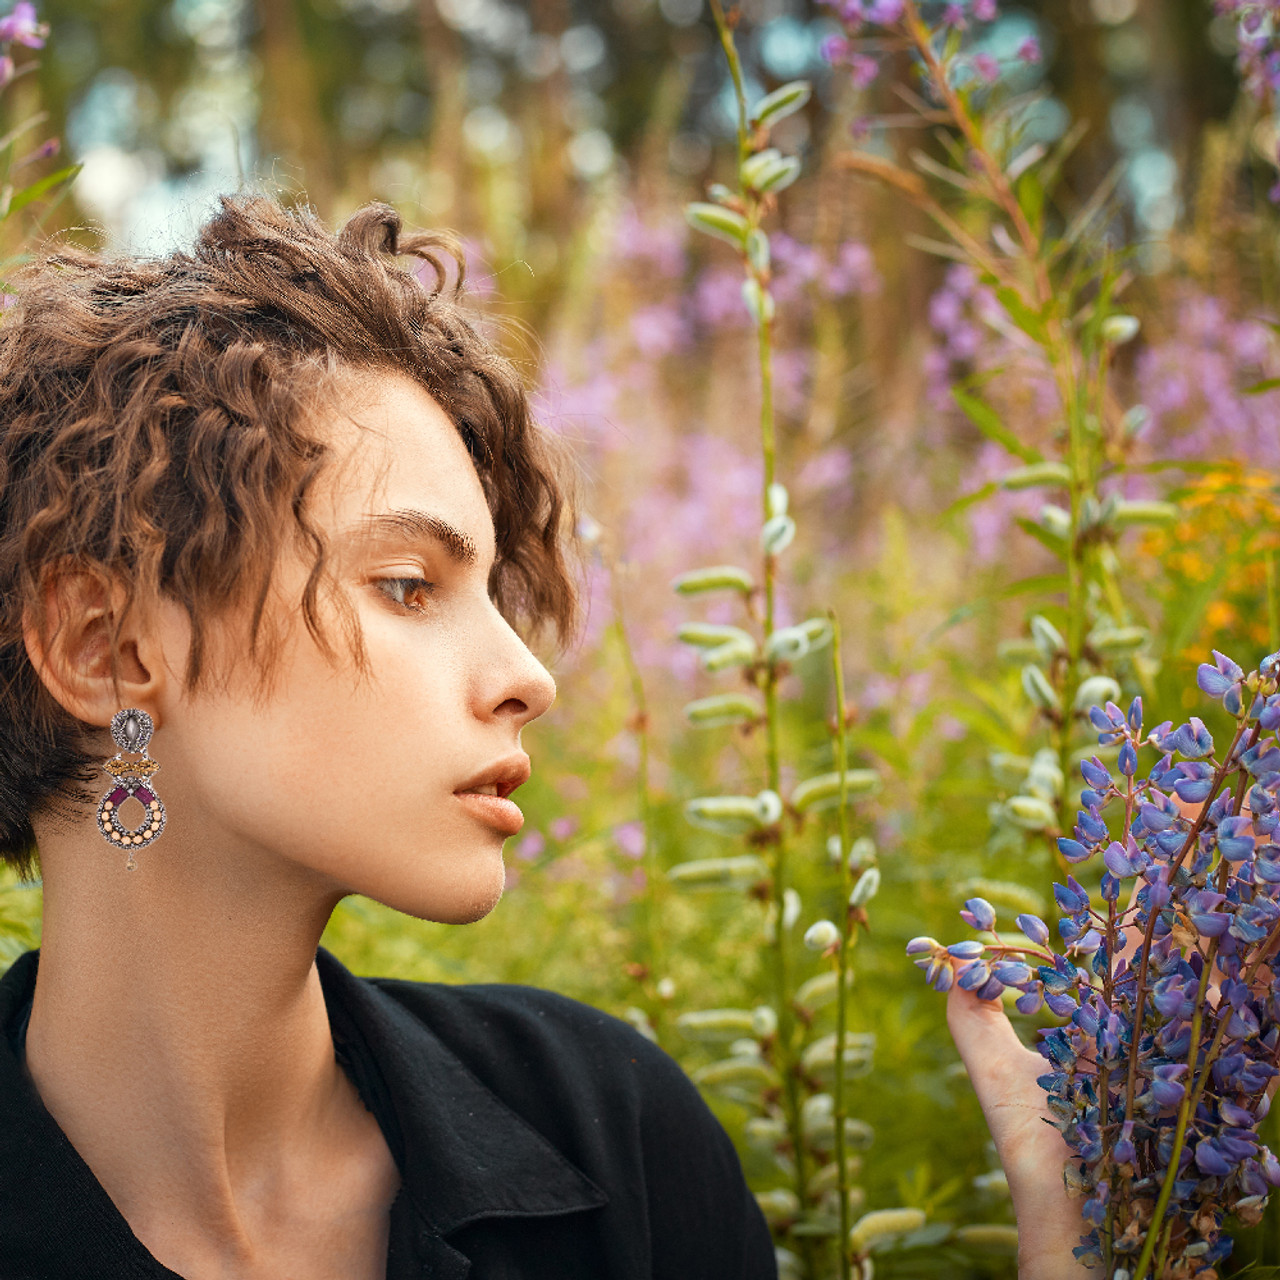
(428, 587)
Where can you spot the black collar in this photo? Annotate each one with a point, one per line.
(463, 1154)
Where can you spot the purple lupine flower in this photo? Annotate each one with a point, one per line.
(21, 27)
(979, 914)
(1219, 905)
(1029, 51)
(985, 10)
(987, 67)
(863, 70)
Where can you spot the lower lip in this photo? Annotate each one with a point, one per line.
(493, 811)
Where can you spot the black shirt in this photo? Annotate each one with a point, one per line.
(536, 1138)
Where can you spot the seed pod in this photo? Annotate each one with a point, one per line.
(715, 1025)
(791, 907)
(759, 301)
(719, 873)
(1055, 520)
(706, 635)
(781, 102)
(1054, 474)
(821, 934)
(765, 1132)
(866, 888)
(820, 991)
(722, 709)
(1135, 420)
(768, 808)
(715, 220)
(779, 1205)
(1047, 637)
(1019, 650)
(735, 653)
(719, 577)
(1094, 691)
(823, 790)
(755, 1072)
(1144, 513)
(862, 853)
(1037, 687)
(777, 174)
(881, 1226)
(776, 499)
(764, 1021)
(859, 1048)
(828, 1179)
(1117, 330)
(1109, 640)
(726, 815)
(818, 631)
(988, 1237)
(786, 644)
(777, 534)
(1030, 812)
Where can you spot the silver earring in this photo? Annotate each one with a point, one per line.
(131, 729)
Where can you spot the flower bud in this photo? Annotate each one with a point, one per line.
(781, 102)
(712, 1025)
(786, 645)
(1037, 687)
(715, 220)
(727, 815)
(776, 500)
(866, 888)
(758, 250)
(777, 534)
(708, 635)
(1094, 691)
(759, 301)
(735, 653)
(1117, 330)
(791, 908)
(1055, 520)
(1047, 637)
(821, 935)
(769, 809)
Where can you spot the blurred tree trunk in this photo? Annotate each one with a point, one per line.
(291, 124)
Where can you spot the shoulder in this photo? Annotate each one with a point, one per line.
(619, 1107)
(507, 1032)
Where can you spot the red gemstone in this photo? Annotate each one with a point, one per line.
(144, 795)
(120, 793)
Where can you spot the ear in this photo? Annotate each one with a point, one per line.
(69, 639)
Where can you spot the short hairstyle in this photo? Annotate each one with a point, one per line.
(154, 433)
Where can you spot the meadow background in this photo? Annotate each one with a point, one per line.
(562, 140)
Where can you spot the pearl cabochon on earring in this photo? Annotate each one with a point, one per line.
(131, 729)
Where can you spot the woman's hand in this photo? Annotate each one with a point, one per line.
(1003, 1072)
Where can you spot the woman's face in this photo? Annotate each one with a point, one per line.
(355, 783)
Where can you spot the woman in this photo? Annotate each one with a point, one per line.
(201, 454)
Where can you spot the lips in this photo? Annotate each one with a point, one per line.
(485, 794)
(500, 778)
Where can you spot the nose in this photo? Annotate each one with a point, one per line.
(518, 687)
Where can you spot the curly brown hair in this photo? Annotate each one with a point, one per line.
(153, 434)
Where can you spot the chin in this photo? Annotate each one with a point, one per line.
(461, 900)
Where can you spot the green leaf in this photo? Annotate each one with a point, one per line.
(1042, 535)
(985, 418)
(24, 197)
(782, 102)
(1267, 384)
(713, 220)
(1030, 322)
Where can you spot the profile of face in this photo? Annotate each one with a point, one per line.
(341, 782)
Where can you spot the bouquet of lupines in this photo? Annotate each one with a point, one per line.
(1163, 1070)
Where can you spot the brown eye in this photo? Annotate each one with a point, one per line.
(407, 587)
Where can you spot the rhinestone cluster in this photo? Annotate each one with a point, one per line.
(131, 729)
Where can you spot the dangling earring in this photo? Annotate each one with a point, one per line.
(131, 730)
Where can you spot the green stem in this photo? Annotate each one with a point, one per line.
(842, 955)
(1273, 604)
(725, 32)
(650, 933)
(788, 1065)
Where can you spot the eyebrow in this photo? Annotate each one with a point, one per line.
(410, 527)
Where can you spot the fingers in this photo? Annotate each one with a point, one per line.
(989, 1046)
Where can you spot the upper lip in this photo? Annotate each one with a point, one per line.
(505, 774)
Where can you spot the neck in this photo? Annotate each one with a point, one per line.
(179, 1033)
